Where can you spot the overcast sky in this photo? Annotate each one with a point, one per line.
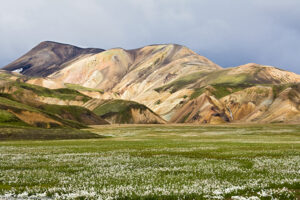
(229, 32)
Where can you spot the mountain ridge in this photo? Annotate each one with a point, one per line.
(170, 79)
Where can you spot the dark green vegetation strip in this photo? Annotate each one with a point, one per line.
(8, 132)
(62, 93)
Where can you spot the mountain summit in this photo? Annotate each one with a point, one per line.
(48, 57)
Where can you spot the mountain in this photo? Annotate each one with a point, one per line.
(175, 85)
(131, 74)
(48, 57)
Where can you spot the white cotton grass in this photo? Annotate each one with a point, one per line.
(123, 173)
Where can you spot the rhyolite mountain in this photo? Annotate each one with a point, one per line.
(167, 83)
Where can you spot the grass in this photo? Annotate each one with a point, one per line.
(14, 104)
(81, 88)
(157, 162)
(219, 90)
(223, 77)
(197, 92)
(62, 93)
(222, 90)
(6, 118)
(181, 82)
(75, 113)
(121, 108)
(13, 132)
(51, 111)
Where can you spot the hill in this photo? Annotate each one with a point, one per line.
(117, 111)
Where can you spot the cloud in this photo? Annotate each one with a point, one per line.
(228, 32)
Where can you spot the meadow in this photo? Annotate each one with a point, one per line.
(157, 162)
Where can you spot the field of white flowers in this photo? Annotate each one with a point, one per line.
(189, 164)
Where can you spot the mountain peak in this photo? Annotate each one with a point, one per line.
(47, 57)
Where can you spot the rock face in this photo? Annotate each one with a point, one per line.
(174, 83)
(48, 57)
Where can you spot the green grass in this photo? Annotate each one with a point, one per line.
(81, 88)
(121, 108)
(182, 82)
(14, 132)
(222, 77)
(74, 111)
(7, 118)
(197, 92)
(157, 162)
(14, 104)
(220, 90)
(62, 93)
(51, 111)
(223, 90)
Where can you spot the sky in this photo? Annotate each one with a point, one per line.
(228, 32)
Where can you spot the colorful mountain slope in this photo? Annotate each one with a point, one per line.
(173, 83)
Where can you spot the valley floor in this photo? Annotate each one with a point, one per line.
(157, 162)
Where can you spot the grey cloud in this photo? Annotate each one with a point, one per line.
(228, 32)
